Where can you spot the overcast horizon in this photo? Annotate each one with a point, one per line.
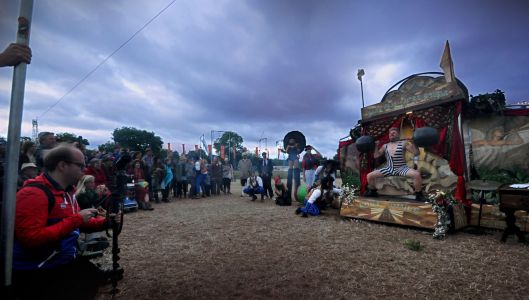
(258, 68)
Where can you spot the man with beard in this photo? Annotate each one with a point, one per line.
(396, 164)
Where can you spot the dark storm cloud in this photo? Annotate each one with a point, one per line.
(260, 68)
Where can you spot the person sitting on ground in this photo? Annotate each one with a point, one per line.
(27, 171)
(396, 164)
(281, 192)
(311, 202)
(254, 185)
(47, 224)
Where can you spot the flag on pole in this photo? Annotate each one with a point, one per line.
(183, 149)
(222, 154)
(447, 64)
(210, 149)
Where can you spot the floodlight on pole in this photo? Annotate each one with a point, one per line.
(360, 74)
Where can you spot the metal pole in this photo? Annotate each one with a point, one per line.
(13, 144)
(362, 90)
(211, 153)
(359, 75)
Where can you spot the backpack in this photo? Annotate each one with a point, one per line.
(46, 190)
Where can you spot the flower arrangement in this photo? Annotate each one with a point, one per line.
(441, 204)
(349, 193)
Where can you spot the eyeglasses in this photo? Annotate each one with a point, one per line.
(80, 165)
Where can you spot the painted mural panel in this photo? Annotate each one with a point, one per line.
(498, 142)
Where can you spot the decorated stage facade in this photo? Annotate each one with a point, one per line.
(492, 145)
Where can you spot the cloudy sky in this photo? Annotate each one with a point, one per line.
(259, 68)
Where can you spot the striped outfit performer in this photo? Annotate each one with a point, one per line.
(396, 164)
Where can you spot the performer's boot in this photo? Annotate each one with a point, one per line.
(370, 192)
(420, 197)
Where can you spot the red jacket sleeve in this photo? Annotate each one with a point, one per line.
(32, 216)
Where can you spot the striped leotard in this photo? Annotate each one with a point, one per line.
(396, 164)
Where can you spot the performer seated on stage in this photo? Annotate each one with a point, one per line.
(396, 164)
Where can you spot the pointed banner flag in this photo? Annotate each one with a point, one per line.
(222, 154)
(447, 64)
(210, 149)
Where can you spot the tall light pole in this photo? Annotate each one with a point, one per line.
(266, 143)
(229, 140)
(360, 74)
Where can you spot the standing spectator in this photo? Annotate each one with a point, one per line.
(47, 141)
(266, 167)
(27, 153)
(141, 187)
(45, 260)
(148, 161)
(94, 169)
(309, 163)
(165, 184)
(191, 175)
(108, 167)
(227, 175)
(245, 168)
(157, 175)
(181, 177)
(216, 176)
(27, 171)
(201, 173)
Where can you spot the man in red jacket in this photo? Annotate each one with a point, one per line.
(45, 262)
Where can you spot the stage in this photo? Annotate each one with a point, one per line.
(401, 210)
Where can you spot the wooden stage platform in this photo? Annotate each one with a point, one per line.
(387, 209)
(397, 210)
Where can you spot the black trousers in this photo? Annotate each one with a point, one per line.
(267, 185)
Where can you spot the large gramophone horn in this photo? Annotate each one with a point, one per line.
(298, 136)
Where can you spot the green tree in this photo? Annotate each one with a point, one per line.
(229, 139)
(107, 147)
(71, 138)
(200, 153)
(137, 140)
